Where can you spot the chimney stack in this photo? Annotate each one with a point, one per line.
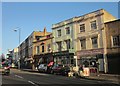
(44, 31)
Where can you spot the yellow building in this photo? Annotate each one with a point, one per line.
(90, 41)
(43, 50)
(27, 48)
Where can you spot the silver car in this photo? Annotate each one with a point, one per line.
(42, 68)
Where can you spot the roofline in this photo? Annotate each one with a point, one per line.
(79, 16)
(112, 21)
(90, 12)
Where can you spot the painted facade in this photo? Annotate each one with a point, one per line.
(86, 31)
(26, 48)
(43, 50)
(63, 45)
(91, 39)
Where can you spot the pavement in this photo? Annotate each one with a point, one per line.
(105, 77)
(108, 77)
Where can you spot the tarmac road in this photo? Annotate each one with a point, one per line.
(18, 77)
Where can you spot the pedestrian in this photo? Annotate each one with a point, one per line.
(80, 70)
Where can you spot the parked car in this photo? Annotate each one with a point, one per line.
(50, 66)
(42, 68)
(5, 68)
(65, 70)
(56, 68)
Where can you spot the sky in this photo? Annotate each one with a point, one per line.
(34, 16)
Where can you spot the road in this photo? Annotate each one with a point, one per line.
(18, 77)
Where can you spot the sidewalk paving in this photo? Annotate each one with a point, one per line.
(108, 77)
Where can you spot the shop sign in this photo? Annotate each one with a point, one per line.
(90, 52)
(86, 71)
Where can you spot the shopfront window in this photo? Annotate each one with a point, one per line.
(93, 64)
(86, 63)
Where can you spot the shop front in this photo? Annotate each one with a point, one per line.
(42, 59)
(28, 62)
(92, 59)
(63, 57)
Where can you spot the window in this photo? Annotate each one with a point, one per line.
(83, 43)
(59, 33)
(94, 42)
(37, 38)
(93, 25)
(59, 46)
(48, 36)
(42, 47)
(48, 47)
(68, 44)
(82, 28)
(37, 49)
(116, 41)
(67, 30)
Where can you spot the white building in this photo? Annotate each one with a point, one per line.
(15, 54)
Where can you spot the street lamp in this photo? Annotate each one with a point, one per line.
(18, 29)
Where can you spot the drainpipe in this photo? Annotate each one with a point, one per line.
(105, 51)
(76, 63)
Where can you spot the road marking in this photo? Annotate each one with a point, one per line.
(19, 76)
(28, 81)
(32, 83)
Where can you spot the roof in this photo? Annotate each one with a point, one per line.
(112, 21)
(80, 16)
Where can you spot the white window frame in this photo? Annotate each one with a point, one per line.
(58, 33)
(92, 23)
(59, 45)
(68, 42)
(81, 44)
(82, 29)
(113, 41)
(67, 30)
(42, 48)
(94, 44)
(37, 49)
(48, 47)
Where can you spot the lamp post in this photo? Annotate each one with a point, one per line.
(18, 29)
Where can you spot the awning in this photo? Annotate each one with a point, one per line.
(50, 64)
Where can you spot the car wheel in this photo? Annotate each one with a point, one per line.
(7, 73)
(39, 71)
(52, 72)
